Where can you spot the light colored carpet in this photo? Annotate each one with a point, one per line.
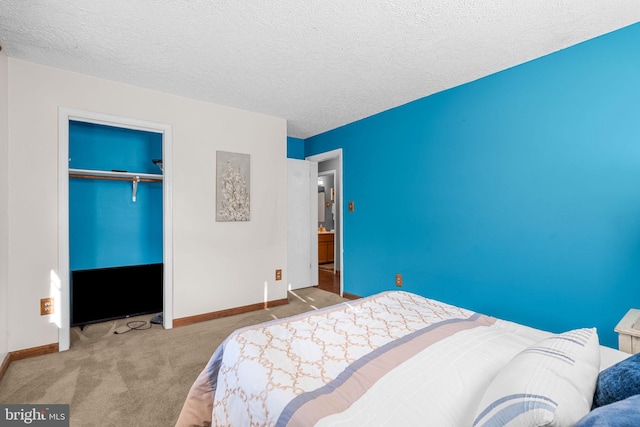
(139, 378)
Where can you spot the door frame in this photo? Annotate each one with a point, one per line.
(64, 116)
(329, 155)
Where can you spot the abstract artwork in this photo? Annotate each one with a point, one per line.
(232, 182)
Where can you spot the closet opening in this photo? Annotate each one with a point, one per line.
(115, 257)
(115, 223)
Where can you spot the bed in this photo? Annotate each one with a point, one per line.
(396, 358)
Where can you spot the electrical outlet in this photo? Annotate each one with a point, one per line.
(46, 306)
(399, 280)
(278, 274)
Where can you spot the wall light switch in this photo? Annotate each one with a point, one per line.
(278, 274)
(352, 206)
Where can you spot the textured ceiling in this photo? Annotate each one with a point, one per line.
(319, 64)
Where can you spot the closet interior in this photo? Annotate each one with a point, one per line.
(115, 222)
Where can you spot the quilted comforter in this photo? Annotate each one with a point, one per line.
(394, 358)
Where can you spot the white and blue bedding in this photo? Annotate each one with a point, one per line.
(394, 358)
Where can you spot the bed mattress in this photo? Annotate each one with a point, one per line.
(394, 358)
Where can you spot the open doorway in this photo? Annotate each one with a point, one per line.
(66, 116)
(330, 165)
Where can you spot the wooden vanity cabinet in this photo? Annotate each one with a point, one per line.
(325, 247)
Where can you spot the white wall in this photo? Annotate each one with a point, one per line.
(216, 265)
(4, 201)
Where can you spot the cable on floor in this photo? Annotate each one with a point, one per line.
(134, 325)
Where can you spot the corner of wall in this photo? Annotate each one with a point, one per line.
(295, 148)
(4, 205)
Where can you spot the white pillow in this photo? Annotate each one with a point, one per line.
(551, 383)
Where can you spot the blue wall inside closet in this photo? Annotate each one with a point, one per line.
(108, 229)
(516, 195)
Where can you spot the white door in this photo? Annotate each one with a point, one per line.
(302, 224)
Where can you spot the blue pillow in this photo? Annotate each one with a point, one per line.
(624, 413)
(618, 382)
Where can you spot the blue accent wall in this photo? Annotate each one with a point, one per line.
(295, 148)
(106, 227)
(516, 195)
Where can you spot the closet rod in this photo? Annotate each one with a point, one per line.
(113, 178)
(135, 178)
(113, 175)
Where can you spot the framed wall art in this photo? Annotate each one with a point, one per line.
(233, 186)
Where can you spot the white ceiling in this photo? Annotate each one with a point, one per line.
(319, 64)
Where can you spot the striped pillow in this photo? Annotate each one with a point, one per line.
(551, 383)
